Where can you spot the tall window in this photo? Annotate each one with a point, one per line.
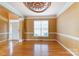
(41, 28)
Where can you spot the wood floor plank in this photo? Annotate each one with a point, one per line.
(31, 48)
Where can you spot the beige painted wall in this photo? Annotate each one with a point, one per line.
(3, 23)
(68, 24)
(5, 16)
(28, 26)
(3, 30)
(3, 12)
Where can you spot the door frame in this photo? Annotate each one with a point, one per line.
(12, 20)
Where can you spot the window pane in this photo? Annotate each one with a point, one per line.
(44, 24)
(44, 32)
(45, 28)
(41, 28)
(37, 32)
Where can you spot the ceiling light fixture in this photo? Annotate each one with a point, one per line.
(37, 6)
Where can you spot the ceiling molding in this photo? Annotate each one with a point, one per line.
(66, 6)
(40, 17)
(11, 8)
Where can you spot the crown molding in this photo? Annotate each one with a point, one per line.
(66, 6)
(11, 8)
(40, 17)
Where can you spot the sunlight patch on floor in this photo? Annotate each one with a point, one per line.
(40, 50)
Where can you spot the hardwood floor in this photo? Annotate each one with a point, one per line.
(35, 48)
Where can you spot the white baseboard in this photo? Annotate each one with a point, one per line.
(67, 49)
